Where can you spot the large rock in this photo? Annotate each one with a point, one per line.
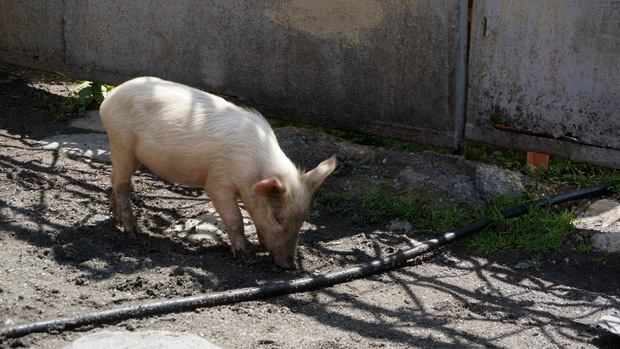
(141, 340)
(603, 217)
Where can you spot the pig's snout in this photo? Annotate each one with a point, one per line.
(284, 257)
(286, 263)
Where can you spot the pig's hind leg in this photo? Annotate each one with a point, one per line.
(123, 168)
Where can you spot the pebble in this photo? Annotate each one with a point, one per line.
(522, 265)
(399, 226)
(606, 242)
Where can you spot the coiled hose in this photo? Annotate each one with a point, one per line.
(279, 289)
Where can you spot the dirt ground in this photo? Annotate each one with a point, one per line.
(61, 255)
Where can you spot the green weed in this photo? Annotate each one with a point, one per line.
(534, 263)
(376, 209)
(86, 95)
(488, 154)
(560, 171)
(584, 248)
(141, 187)
(381, 207)
(539, 230)
(335, 202)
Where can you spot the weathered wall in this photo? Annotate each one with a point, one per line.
(551, 66)
(393, 68)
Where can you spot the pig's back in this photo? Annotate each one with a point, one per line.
(149, 103)
(182, 134)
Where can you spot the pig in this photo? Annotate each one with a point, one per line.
(197, 139)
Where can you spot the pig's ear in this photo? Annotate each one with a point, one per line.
(316, 177)
(269, 187)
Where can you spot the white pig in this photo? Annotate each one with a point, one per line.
(196, 139)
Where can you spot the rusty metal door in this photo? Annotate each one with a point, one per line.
(544, 76)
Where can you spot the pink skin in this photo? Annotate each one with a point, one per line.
(189, 137)
(278, 233)
(278, 220)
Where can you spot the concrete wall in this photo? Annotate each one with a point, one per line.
(392, 68)
(551, 66)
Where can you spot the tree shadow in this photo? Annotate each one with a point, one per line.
(410, 306)
(65, 217)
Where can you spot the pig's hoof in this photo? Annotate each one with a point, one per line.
(131, 229)
(243, 254)
(132, 234)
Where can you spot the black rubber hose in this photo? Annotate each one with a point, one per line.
(299, 285)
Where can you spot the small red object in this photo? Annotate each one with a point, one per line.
(538, 160)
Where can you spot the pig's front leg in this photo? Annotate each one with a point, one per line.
(227, 207)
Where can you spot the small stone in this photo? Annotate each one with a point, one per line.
(399, 226)
(522, 265)
(606, 242)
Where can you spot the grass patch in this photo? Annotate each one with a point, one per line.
(488, 154)
(335, 202)
(560, 171)
(429, 216)
(537, 231)
(541, 230)
(584, 248)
